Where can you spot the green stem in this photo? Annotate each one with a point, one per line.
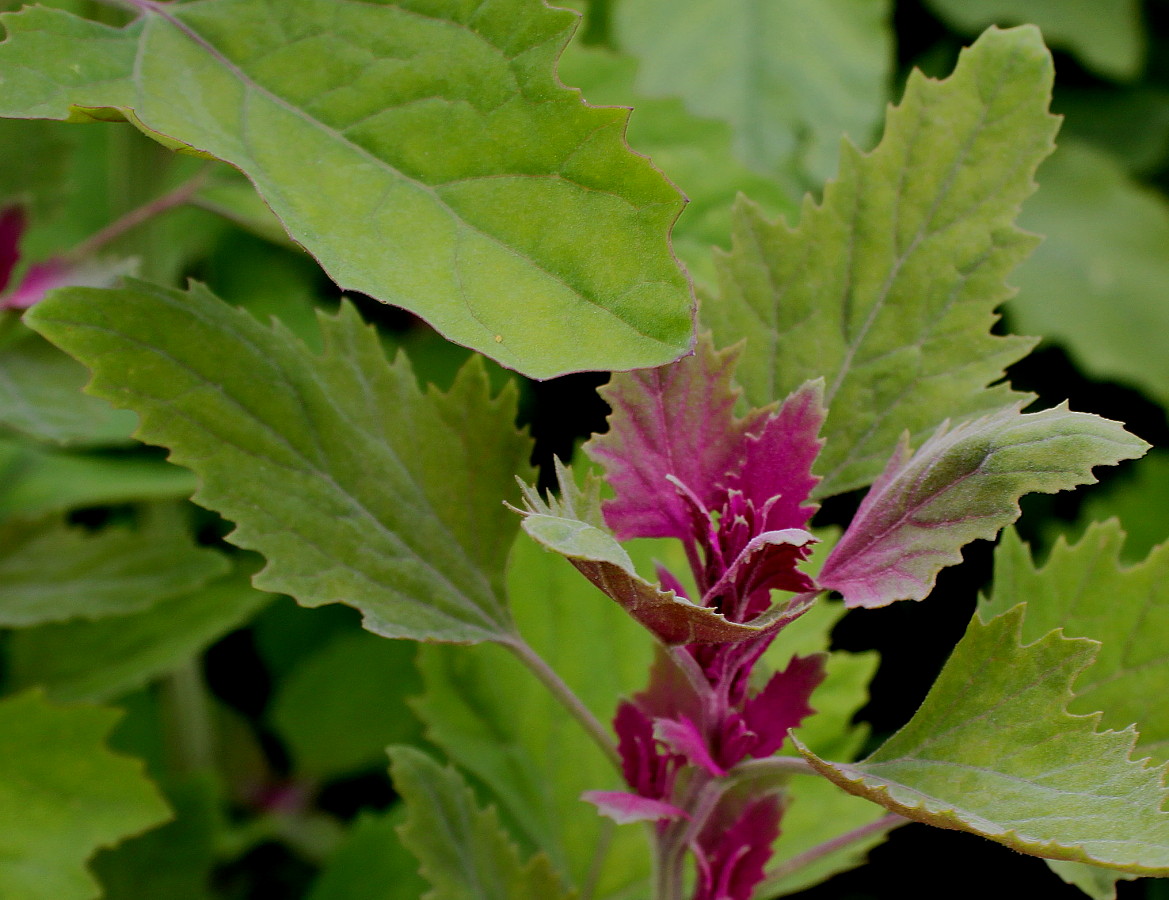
(768, 766)
(190, 728)
(568, 699)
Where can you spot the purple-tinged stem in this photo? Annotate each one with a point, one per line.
(567, 697)
(751, 769)
(135, 217)
(797, 862)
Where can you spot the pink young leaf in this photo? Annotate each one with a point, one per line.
(778, 458)
(12, 225)
(768, 561)
(963, 484)
(683, 737)
(732, 850)
(676, 420)
(623, 807)
(54, 273)
(647, 769)
(783, 702)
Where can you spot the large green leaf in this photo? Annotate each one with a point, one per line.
(63, 795)
(51, 571)
(695, 151)
(494, 719)
(40, 396)
(790, 76)
(1139, 501)
(1097, 283)
(396, 141)
(104, 659)
(371, 864)
(463, 850)
(1106, 34)
(1084, 589)
(34, 480)
(316, 458)
(993, 751)
(887, 288)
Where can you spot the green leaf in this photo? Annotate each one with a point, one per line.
(1097, 883)
(372, 864)
(52, 571)
(993, 751)
(104, 659)
(789, 76)
(395, 141)
(63, 795)
(1084, 589)
(40, 396)
(1096, 283)
(695, 151)
(1106, 35)
(495, 720)
(463, 850)
(961, 485)
(1139, 501)
(35, 481)
(887, 288)
(339, 709)
(315, 458)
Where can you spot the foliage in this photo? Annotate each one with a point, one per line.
(257, 524)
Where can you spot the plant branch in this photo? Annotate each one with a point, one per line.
(190, 725)
(800, 860)
(144, 213)
(567, 697)
(770, 765)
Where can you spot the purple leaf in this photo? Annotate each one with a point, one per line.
(623, 807)
(783, 702)
(767, 561)
(963, 484)
(647, 769)
(777, 461)
(683, 737)
(732, 850)
(677, 421)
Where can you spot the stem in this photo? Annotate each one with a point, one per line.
(597, 864)
(135, 217)
(770, 765)
(797, 862)
(190, 729)
(568, 699)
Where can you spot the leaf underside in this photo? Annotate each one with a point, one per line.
(395, 142)
(888, 287)
(315, 457)
(993, 751)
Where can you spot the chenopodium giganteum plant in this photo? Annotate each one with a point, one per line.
(860, 341)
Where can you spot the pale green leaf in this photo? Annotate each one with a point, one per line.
(34, 480)
(396, 141)
(1096, 882)
(237, 201)
(102, 660)
(50, 571)
(371, 864)
(1083, 589)
(63, 796)
(790, 76)
(463, 850)
(40, 396)
(961, 485)
(695, 151)
(1139, 499)
(887, 288)
(1097, 283)
(315, 458)
(993, 751)
(342, 706)
(1107, 35)
(495, 720)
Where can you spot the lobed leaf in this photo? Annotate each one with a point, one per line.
(1084, 589)
(993, 751)
(963, 484)
(63, 795)
(887, 287)
(463, 850)
(395, 141)
(315, 458)
(52, 571)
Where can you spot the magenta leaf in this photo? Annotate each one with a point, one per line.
(683, 737)
(783, 702)
(647, 770)
(623, 807)
(963, 484)
(12, 225)
(57, 272)
(677, 421)
(732, 850)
